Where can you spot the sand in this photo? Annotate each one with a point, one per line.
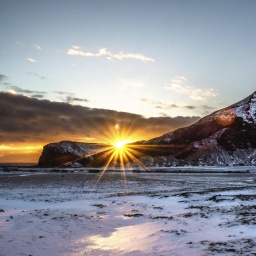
(44, 213)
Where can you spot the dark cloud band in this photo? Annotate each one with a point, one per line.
(25, 119)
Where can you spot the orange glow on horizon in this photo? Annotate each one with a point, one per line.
(116, 137)
(20, 152)
(120, 153)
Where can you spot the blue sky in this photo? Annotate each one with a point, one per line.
(153, 58)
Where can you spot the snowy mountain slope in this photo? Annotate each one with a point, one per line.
(236, 122)
(225, 137)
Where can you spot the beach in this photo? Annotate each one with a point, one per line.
(127, 213)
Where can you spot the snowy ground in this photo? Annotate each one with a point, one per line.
(136, 215)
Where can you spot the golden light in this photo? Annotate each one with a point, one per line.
(20, 152)
(118, 152)
(225, 117)
(11, 92)
(119, 144)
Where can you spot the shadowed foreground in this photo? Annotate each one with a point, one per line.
(146, 214)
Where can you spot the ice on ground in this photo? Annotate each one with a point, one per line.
(151, 214)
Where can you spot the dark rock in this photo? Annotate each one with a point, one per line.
(57, 154)
(72, 165)
(225, 137)
(237, 119)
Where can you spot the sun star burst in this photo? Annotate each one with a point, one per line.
(119, 144)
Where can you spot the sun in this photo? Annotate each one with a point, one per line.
(119, 144)
(122, 154)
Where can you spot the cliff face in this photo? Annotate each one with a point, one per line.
(57, 154)
(225, 137)
(231, 127)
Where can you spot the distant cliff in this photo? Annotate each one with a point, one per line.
(57, 154)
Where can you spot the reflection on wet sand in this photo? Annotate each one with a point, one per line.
(130, 238)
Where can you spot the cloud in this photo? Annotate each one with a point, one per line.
(182, 106)
(194, 93)
(38, 47)
(39, 96)
(6, 84)
(151, 101)
(163, 114)
(2, 77)
(25, 119)
(130, 85)
(206, 107)
(70, 99)
(197, 94)
(179, 79)
(11, 92)
(20, 90)
(165, 105)
(12, 89)
(190, 107)
(31, 60)
(206, 110)
(64, 93)
(145, 99)
(19, 44)
(76, 50)
(37, 75)
(202, 110)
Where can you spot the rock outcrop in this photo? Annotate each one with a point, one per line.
(64, 152)
(228, 126)
(225, 137)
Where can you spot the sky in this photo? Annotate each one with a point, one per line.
(152, 65)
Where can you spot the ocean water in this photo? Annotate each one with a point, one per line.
(17, 164)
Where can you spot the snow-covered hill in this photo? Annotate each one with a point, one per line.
(239, 116)
(225, 137)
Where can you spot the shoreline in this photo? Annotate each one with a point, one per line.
(173, 169)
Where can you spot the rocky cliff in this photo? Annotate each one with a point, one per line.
(57, 154)
(225, 137)
(231, 127)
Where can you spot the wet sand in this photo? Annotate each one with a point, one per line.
(132, 214)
